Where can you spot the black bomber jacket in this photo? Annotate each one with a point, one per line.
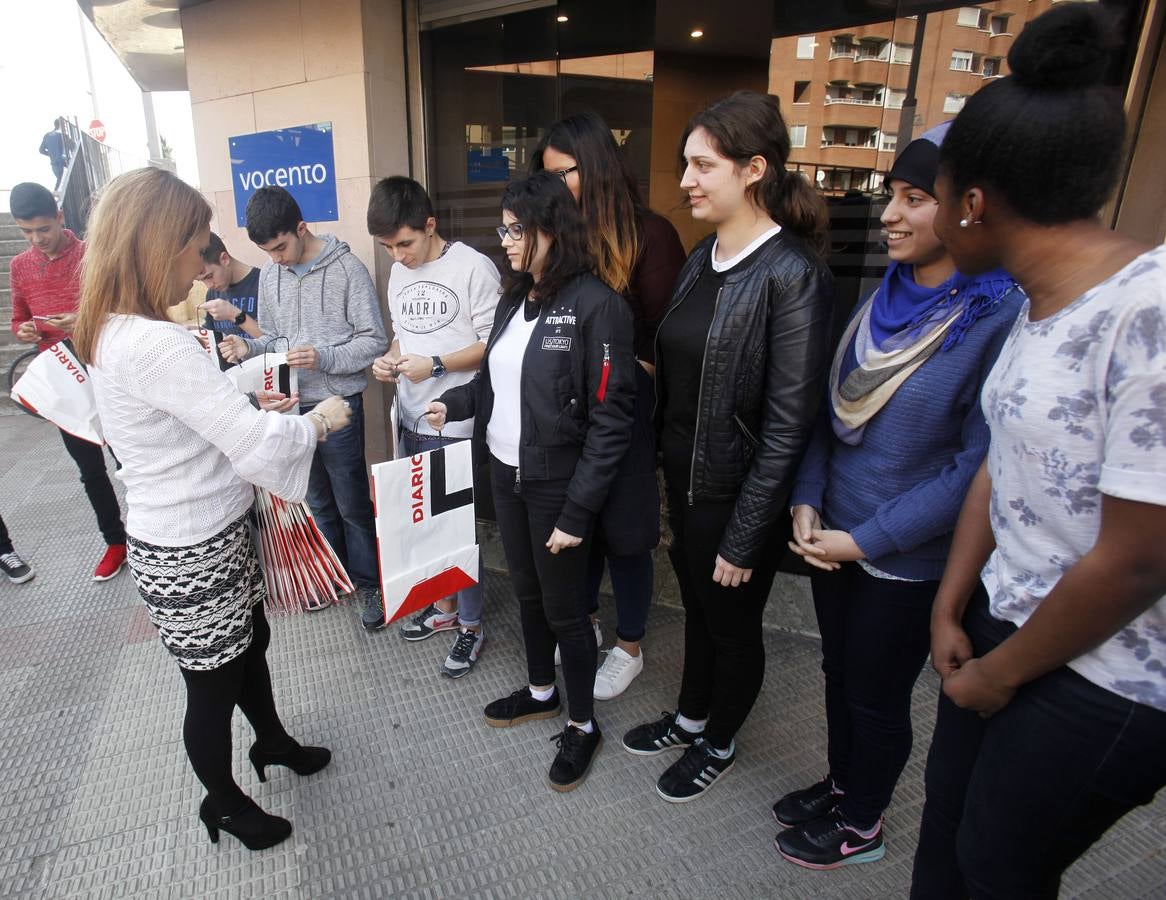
(578, 390)
(761, 385)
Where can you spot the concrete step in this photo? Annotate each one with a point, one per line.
(5, 280)
(10, 248)
(10, 233)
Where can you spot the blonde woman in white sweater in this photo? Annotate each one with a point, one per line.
(191, 446)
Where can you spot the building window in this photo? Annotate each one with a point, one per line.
(969, 16)
(869, 48)
(806, 45)
(849, 137)
(842, 46)
(801, 92)
(888, 143)
(998, 25)
(902, 54)
(953, 103)
(961, 60)
(894, 98)
(797, 135)
(992, 67)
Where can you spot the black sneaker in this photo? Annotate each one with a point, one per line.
(467, 647)
(17, 570)
(428, 622)
(656, 737)
(373, 616)
(810, 803)
(576, 750)
(521, 707)
(694, 773)
(829, 842)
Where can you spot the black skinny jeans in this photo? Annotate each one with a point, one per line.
(5, 540)
(211, 698)
(90, 460)
(876, 634)
(724, 653)
(1014, 800)
(549, 587)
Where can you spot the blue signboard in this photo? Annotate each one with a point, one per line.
(485, 167)
(299, 159)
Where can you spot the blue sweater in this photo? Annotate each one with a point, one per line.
(899, 491)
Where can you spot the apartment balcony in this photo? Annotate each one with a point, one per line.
(841, 155)
(853, 113)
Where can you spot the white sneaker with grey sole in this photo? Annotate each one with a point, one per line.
(617, 672)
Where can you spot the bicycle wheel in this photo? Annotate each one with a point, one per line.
(16, 370)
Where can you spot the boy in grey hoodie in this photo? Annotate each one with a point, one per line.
(320, 297)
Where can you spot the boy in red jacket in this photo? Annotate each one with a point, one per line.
(46, 288)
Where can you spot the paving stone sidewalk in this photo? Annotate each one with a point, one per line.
(422, 799)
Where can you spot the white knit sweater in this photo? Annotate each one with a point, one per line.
(187, 440)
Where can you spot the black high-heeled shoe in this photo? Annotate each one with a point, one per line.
(251, 825)
(301, 760)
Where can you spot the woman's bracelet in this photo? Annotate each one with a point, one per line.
(323, 421)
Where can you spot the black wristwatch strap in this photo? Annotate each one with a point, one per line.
(438, 367)
(241, 318)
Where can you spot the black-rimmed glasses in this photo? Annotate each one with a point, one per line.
(563, 173)
(514, 230)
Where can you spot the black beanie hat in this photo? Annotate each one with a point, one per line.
(919, 162)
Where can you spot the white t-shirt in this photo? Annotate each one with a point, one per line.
(505, 426)
(437, 308)
(1076, 404)
(189, 443)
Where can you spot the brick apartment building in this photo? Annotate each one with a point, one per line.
(843, 93)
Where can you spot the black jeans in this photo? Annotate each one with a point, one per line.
(549, 587)
(5, 540)
(90, 460)
(875, 638)
(1014, 800)
(211, 698)
(724, 654)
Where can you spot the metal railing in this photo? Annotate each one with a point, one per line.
(91, 166)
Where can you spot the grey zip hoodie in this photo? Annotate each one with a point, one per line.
(333, 308)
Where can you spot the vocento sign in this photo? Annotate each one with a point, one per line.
(299, 159)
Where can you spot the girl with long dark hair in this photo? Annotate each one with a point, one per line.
(875, 502)
(637, 254)
(191, 446)
(741, 360)
(1048, 627)
(552, 406)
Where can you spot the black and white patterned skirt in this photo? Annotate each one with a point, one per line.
(201, 596)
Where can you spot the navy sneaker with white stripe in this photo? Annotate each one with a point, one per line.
(694, 773)
(656, 737)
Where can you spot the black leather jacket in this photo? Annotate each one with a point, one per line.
(578, 388)
(762, 382)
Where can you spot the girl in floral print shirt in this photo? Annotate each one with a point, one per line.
(1049, 626)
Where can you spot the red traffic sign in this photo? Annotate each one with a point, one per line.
(97, 131)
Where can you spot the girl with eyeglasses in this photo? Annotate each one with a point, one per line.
(637, 254)
(552, 407)
(741, 358)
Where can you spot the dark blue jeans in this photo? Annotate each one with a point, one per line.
(469, 600)
(631, 584)
(1014, 800)
(339, 498)
(876, 634)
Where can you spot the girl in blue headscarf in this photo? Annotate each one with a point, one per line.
(875, 503)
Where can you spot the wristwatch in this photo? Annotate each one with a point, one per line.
(438, 367)
(241, 318)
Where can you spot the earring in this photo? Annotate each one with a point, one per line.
(964, 223)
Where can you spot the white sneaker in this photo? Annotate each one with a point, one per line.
(617, 672)
(598, 642)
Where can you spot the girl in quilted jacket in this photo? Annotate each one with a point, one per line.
(741, 356)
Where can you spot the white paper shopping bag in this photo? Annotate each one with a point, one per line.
(55, 385)
(266, 372)
(426, 543)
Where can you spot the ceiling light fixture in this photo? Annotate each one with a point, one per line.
(696, 33)
(561, 19)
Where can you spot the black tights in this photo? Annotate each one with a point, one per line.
(211, 698)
